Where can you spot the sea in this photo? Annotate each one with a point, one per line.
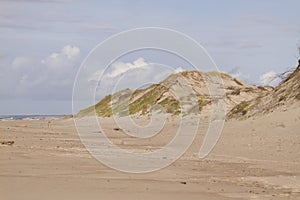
(32, 117)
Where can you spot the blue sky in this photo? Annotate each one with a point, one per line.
(43, 42)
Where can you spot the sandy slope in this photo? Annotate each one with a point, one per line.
(254, 159)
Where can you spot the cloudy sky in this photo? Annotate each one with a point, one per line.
(43, 42)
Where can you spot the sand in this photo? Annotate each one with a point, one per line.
(257, 158)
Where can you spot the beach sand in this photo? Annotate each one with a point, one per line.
(257, 158)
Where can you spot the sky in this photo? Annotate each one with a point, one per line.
(44, 42)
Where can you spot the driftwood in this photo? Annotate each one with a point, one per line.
(9, 143)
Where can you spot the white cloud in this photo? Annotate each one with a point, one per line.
(238, 74)
(133, 75)
(95, 76)
(70, 51)
(63, 59)
(67, 52)
(51, 77)
(268, 78)
(119, 68)
(21, 61)
(179, 69)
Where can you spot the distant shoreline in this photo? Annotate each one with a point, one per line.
(33, 117)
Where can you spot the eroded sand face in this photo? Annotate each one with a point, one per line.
(254, 159)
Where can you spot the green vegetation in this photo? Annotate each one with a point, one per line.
(171, 105)
(103, 108)
(241, 108)
(282, 98)
(187, 73)
(220, 74)
(235, 92)
(86, 112)
(144, 103)
(135, 94)
(225, 76)
(237, 82)
(298, 96)
(202, 102)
